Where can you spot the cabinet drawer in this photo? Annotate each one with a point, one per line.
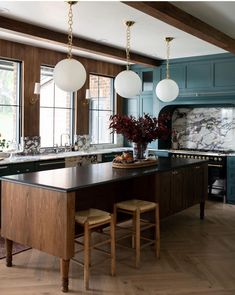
(49, 165)
(22, 168)
(109, 157)
(4, 170)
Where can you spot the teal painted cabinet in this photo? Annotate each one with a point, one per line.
(231, 180)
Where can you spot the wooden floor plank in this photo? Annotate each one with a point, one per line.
(197, 258)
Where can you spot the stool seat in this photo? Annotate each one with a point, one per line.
(92, 220)
(92, 216)
(134, 208)
(133, 205)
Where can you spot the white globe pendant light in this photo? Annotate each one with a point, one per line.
(69, 74)
(127, 83)
(167, 89)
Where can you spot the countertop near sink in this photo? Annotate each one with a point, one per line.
(52, 156)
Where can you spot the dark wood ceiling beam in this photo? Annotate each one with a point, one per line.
(36, 32)
(184, 21)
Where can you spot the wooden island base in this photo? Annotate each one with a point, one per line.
(38, 208)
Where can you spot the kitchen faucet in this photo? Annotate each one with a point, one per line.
(66, 141)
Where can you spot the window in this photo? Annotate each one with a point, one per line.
(101, 108)
(56, 112)
(10, 100)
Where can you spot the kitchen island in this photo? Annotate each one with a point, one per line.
(38, 208)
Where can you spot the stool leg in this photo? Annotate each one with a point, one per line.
(64, 270)
(115, 214)
(113, 258)
(133, 235)
(137, 238)
(157, 231)
(86, 255)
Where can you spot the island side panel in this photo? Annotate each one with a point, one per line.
(40, 218)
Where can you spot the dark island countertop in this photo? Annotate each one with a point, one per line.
(73, 178)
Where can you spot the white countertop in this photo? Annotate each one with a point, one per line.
(53, 156)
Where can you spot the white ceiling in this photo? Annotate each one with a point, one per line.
(102, 21)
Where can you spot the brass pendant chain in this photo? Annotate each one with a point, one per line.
(168, 40)
(70, 30)
(167, 59)
(128, 38)
(128, 24)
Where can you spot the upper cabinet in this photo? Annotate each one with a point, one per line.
(147, 80)
(212, 75)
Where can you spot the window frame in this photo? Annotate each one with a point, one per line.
(19, 100)
(72, 111)
(113, 109)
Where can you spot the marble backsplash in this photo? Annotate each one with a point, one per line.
(209, 128)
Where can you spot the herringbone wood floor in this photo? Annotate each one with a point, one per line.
(197, 257)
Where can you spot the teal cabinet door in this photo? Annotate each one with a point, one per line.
(146, 105)
(199, 75)
(224, 72)
(231, 180)
(131, 106)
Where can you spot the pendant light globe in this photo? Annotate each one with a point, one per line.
(69, 75)
(127, 84)
(167, 90)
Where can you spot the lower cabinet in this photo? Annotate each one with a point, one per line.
(50, 164)
(5, 170)
(231, 180)
(179, 189)
(22, 168)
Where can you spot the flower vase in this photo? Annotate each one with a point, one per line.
(139, 150)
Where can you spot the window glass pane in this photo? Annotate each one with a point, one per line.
(46, 127)
(63, 99)
(94, 103)
(47, 94)
(94, 86)
(8, 82)
(101, 107)
(105, 135)
(62, 125)
(148, 81)
(10, 106)
(56, 108)
(94, 126)
(8, 122)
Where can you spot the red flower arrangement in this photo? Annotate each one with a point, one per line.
(142, 130)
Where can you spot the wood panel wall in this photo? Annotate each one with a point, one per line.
(32, 58)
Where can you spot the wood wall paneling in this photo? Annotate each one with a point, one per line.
(32, 58)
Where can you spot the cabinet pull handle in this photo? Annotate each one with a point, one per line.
(27, 170)
(175, 172)
(215, 165)
(52, 163)
(3, 167)
(197, 167)
(18, 171)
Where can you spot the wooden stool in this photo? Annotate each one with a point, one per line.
(94, 220)
(135, 208)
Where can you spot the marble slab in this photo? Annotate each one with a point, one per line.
(208, 128)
